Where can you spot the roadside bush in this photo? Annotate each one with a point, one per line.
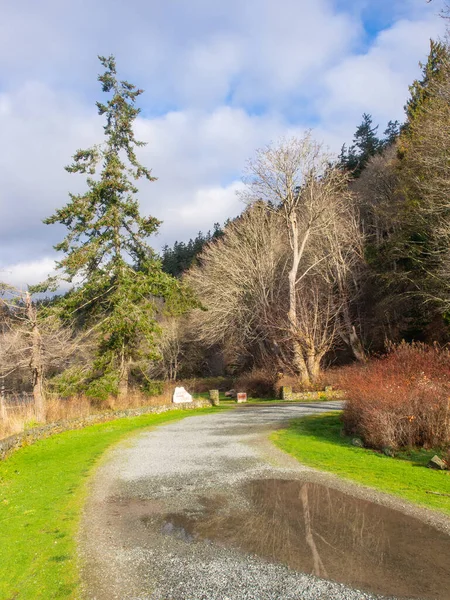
(258, 383)
(400, 400)
(204, 384)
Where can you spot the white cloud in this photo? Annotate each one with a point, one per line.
(222, 79)
(23, 274)
(41, 129)
(194, 54)
(209, 205)
(377, 81)
(196, 155)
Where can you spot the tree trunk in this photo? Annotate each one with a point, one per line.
(299, 363)
(174, 369)
(124, 376)
(39, 395)
(313, 362)
(122, 388)
(3, 415)
(352, 337)
(36, 363)
(356, 346)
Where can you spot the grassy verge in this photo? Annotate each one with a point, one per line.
(316, 441)
(42, 491)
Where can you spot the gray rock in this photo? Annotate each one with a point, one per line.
(437, 463)
(357, 442)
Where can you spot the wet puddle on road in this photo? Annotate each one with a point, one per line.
(319, 530)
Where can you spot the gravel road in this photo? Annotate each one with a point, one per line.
(171, 516)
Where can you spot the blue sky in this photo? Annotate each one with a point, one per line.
(221, 79)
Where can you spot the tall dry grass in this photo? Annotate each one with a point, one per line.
(17, 415)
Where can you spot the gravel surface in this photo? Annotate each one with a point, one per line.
(131, 550)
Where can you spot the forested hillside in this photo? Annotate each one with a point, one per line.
(333, 259)
(365, 237)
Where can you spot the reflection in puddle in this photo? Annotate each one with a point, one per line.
(319, 530)
(170, 528)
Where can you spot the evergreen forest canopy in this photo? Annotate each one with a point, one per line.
(331, 259)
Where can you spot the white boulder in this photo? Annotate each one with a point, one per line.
(180, 396)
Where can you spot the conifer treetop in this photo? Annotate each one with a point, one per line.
(104, 223)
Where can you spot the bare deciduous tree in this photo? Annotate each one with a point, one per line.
(33, 343)
(298, 181)
(169, 348)
(280, 281)
(237, 283)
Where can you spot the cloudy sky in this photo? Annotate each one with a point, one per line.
(221, 78)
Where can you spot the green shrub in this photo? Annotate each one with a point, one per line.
(153, 388)
(70, 382)
(103, 387)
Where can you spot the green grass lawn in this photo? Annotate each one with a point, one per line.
(42, 491)
(316, 441)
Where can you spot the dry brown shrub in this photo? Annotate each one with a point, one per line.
(400, 400)
(137, 399)
(258, 383)
(204, 384)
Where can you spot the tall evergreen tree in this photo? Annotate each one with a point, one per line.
(432, 71)
(178, 259)
(391, 133)
(407, 260)
(424, 149)
(117, 276)
(365, 144)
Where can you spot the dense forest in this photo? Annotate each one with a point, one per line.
(372, 245)
(333, 259)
